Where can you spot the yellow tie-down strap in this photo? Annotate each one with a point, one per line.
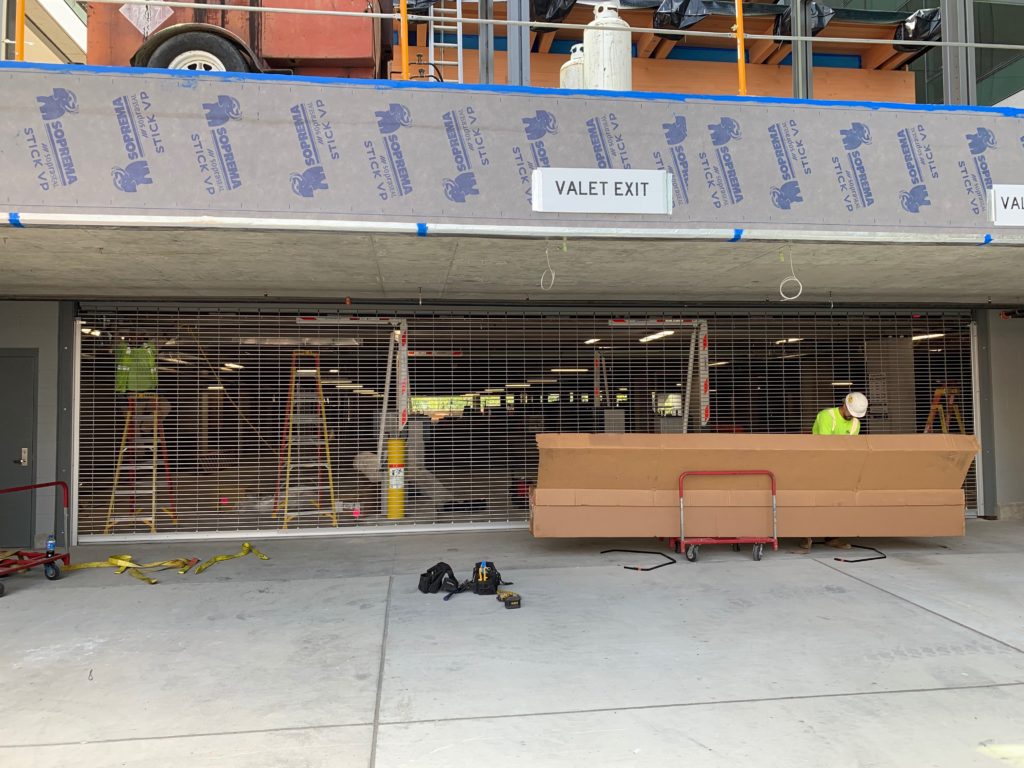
(125, 563)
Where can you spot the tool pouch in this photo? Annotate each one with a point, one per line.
(486, 579)
(437, 578)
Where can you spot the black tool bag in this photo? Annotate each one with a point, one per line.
(486, 579)
(437, 578)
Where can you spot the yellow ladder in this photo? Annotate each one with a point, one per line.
(949, 394)
(305, 428)
(131, 457)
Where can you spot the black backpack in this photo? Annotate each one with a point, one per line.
(437, 578)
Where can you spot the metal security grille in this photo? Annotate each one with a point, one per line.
(203, 420)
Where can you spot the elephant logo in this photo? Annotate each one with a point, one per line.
(914, 200)
(133, 175)
(394, 117)
(540, 125)
(854, 136)
(980, 141)
(221, 111)
(785, 196)
(306, 184)
(675, 132)
(61, 102)
(724, 131)
(461, 187)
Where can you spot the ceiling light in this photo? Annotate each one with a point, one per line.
(623, 389)
(87, 331)
(215, 387)
(923, 336)
(570, 370)
(517, 386)
(591, 341)
(718, 364)
(233, 366)
(348, 386)
(542, 381)
(658, 335)
(493, 391)
(937, 349)
(792, 357)
(296, 341)
(334, 370)
(175, 360)
(306, 371)
(842, 383)
(788, 341)
(94, 332)
(365, 392)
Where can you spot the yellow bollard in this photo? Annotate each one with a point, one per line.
(396, 479)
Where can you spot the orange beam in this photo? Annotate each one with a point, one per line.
(19, 30)
(741, 53)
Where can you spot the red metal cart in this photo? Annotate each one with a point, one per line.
(691, 546)
(23, 560)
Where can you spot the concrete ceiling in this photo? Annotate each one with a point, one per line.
(84, 263)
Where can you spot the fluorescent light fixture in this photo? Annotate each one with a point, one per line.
(215, 387)
(175, 360)
(542, 381)
(87, 331)
(334, 370)
(842, 383)
(517, 386)
(793, 340)
(937, 349)
(793, 356)
(718, 364)
(494, 390)
(306, 371)
(655, 336)
(923, 336)
(234, 366)
(591, 341)
(369, 392)
(570, 370)
(94, 332)
(296, 341)
(348, 385)
(623, 389)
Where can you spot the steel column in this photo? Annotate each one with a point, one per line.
(518, 43)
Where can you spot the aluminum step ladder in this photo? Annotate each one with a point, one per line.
(445, 40)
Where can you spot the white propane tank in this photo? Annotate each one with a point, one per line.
(608, 64)
(571, 73)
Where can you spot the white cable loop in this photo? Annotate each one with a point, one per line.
(548, 271)
(791, 279)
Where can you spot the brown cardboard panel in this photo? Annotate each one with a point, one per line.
(584, 521)
(800, 462)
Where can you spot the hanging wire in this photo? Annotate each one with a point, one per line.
(791, 279)
(549, 271)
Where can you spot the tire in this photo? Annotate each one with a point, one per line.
(758, 551)
(2, 590)
(735, 547)
(692, 552)
(52, 571)
(198, 52)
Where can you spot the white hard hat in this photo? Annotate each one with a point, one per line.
(857, 404)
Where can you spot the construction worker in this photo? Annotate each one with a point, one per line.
(844, 420)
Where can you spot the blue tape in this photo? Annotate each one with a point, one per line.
(14, 219)
(737, 235)
(987, 240)
(421, 229)
(188, 77)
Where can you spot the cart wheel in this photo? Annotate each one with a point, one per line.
(2, 590)
(692, 550)
(758, 551)
(735, 547)
(677, 546)
(52, 571)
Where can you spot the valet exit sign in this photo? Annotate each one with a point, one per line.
(1006, 207)
(592, 190)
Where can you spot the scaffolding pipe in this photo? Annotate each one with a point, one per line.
(19, 30)
(403, 36)
(741, 49)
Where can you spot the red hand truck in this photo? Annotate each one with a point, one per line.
(23, 560)
(690, 547)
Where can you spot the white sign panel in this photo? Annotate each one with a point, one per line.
(592, 190)
(1007, 205)
(146, 18)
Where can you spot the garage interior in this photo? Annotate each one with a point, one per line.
(482, 385)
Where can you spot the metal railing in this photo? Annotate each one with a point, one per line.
(403, 19)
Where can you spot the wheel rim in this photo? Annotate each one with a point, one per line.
(197, 61)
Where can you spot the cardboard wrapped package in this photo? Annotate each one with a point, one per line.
(628, 485)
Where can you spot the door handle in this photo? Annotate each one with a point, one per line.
(23, 461)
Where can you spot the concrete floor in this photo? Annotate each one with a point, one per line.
(326, 655)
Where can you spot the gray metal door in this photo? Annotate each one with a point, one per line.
(17, 445)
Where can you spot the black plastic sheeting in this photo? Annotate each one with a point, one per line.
(551, 11)
(683, 14)
(924, 25)
(420, 7)
(818, 17)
